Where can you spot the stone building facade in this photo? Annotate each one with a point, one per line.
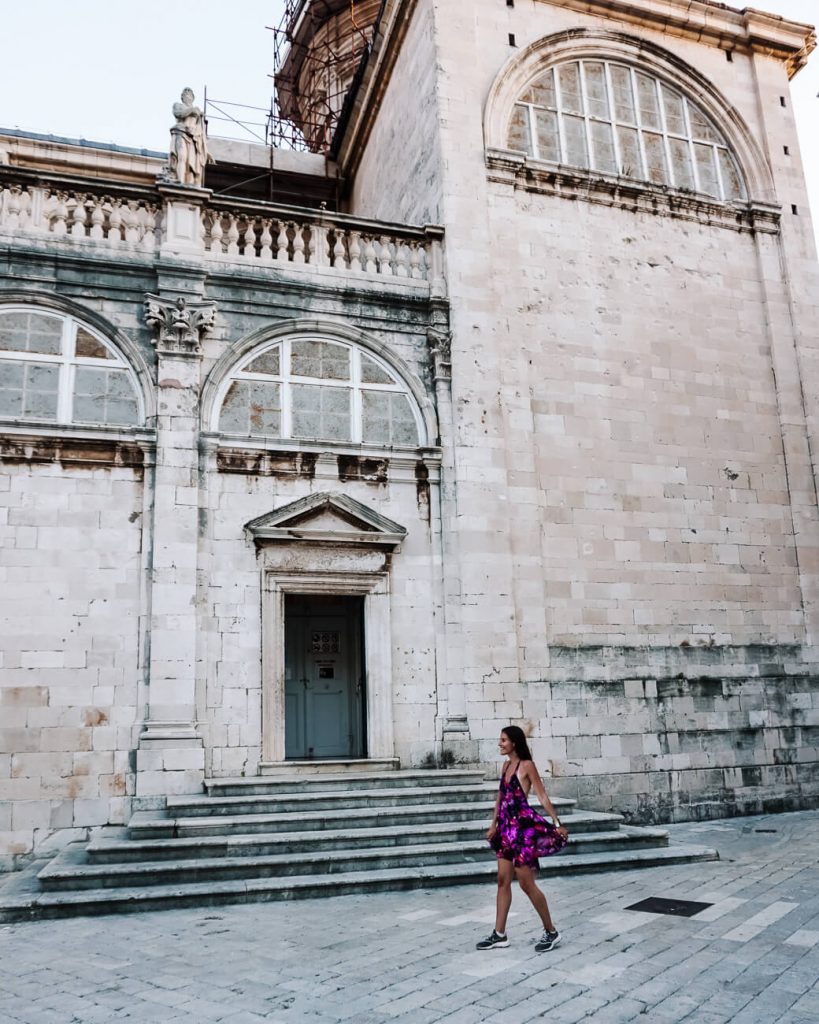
(521, 426)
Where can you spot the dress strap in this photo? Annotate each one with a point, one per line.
(514, 773)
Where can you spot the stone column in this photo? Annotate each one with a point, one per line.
(170, 754)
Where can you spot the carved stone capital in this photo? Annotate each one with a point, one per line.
(179, 325)
(439, 340)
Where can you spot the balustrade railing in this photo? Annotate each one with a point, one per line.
(79, 214)
(252, 233)
(335, 242)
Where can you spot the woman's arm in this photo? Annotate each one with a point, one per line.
(493, 828)
(530, 772)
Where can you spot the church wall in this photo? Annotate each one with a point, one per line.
(626, 401)
(229, 672)
(232, 623)
(70, 565)
(399, 176)
(77, 538)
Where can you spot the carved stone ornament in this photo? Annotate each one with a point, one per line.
(180, 325)
(439, 340)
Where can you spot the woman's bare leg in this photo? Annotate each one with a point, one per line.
(506, 872)
(526, 880)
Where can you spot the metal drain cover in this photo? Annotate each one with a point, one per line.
(679, 908)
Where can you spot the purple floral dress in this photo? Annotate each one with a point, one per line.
(522, 835)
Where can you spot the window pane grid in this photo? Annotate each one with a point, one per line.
(47, 387)
(604, 115)
(322, 407)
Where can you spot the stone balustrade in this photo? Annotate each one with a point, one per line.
(301, 237)
(114, 220)
(249, 232)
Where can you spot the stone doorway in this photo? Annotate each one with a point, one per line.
(326, 547)
(324, 677)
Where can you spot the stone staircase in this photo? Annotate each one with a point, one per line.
(272, 838)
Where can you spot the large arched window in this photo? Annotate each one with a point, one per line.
(610, 117)
(309, 388)
(55, 369)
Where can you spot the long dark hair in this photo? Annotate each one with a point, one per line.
(518, 738)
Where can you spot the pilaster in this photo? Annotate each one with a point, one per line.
(170, 754)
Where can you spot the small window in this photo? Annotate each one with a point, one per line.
(54, 369)
(609, 117)
(312, 389)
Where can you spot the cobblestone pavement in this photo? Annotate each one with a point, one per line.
(409, 958)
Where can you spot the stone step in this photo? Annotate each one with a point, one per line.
(72, 870)
(123, 851)
(331, 766)
(150, 825)
(330, 782)
(106, 851)
(23, 906)
(192, 806)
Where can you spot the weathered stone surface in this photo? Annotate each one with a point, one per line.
(611, 521)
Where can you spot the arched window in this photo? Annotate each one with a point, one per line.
(309, 388)
(54, 369)
(609, 117)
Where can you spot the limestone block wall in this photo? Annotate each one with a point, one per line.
(231, 671)
(640, 377)
(400, 175)
(634, 490)
(81, 523)
(70, 575)
(667, 734)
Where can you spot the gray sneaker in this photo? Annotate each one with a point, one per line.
(493, 941)
(547, 941)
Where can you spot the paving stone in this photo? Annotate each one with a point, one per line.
(344, 961)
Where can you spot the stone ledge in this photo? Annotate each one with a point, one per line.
(522, 173)
(83, 448)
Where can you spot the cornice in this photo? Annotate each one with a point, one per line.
(714, 24)
(526, 175)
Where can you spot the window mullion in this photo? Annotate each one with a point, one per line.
(356, 410)
(584, 103)
(530, 118)
(286, 399)
(672, 178)
(638, 122)
(723, 193)
(561, 135)
(65, 386)
(690, 135)
(613, 117)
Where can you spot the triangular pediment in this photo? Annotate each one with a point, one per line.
(329, 518)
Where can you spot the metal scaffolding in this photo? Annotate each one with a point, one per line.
(318, 47)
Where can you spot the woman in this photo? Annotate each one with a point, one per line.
(519, 835)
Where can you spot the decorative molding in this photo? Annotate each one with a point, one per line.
(326, 517)
(92, 453)
(524, 174)
(713, 23)
(180, 325)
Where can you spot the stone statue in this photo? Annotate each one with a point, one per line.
(189, 151)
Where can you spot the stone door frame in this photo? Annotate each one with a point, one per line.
(377, 650)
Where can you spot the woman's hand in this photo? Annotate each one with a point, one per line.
(563, 831)
(491, 832)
